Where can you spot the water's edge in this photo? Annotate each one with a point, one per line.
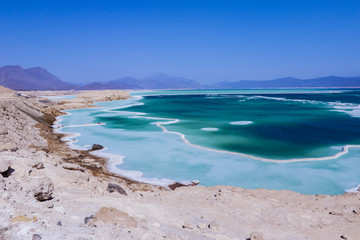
(115, 159)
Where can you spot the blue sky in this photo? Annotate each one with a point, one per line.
(207, 41)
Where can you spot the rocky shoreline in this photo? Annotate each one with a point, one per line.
(49, 191)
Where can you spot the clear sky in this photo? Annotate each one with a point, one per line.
(207, 40)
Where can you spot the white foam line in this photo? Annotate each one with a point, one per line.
(354, 189)
(240, 92)
(132, 104)
(69, 136)
(286, 99)
(85, 125)
(116, 159)
(339, 106)
(59, 119)
(349, 108)
(121, 107)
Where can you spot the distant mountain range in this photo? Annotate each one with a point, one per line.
(289, 82)
(17, 78)
(158, 81)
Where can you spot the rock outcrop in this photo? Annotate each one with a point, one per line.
(112, 187)
(96, 147)
(43, 189)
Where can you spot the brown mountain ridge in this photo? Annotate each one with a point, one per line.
(18, 78)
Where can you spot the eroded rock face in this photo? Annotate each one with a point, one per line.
(17, 120)
(72, 167)
(43, 189)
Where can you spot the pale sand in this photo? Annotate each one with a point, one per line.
(146, 212)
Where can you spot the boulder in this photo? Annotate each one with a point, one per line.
(36, 237)
(43, 190)
(112, 187)
(96, 147)
(38, 165)
(14, 149)
(87, 219)
(4, 165)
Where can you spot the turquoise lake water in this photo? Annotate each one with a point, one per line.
(265, 124)
(62, 97)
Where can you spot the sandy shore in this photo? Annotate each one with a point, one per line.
(49, 191)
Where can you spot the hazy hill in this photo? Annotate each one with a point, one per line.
(289, 82)
(121, 83)
(17, 78)
(162, 81)
(158, 81)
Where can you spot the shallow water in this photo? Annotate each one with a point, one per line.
(62, 97)
(271, 124)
